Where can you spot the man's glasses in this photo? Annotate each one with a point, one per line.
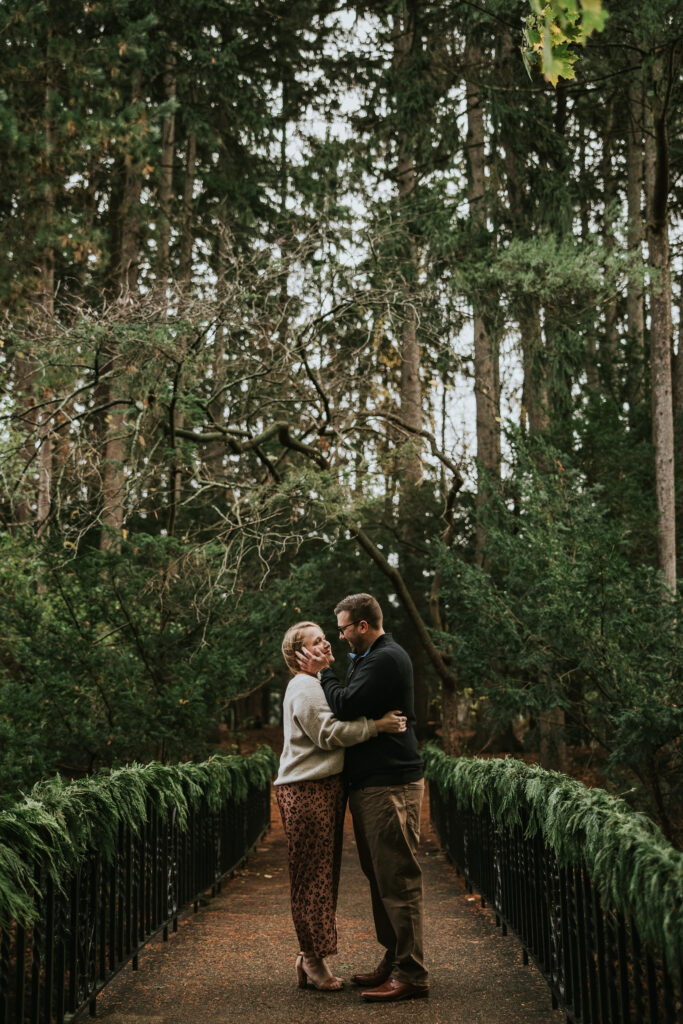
(342, 629)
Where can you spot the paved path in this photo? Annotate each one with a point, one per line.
(234, 960)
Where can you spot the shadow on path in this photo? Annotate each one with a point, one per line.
(234, 960)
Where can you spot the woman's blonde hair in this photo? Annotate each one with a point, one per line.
(293, 641)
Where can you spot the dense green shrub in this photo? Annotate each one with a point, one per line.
(107, 658)
(567, 617)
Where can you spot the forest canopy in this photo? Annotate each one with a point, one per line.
(302, 299)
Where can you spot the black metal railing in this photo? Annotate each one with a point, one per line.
(101, 916)
(598, 969)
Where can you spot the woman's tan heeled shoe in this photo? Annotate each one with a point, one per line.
(330, 984)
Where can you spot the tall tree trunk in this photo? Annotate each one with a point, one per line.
(113, 475)
(214, 451)
(47, 308)
(406, 179)
(657, 192)
(609, 355)
(129, 211)
(528, 310)
(486, 378)
(553, 746)
(25, 372)
(166, 175)
(592, 360)
(677, 381)
(410, 464)
(185, 271)
(534, 388)
(187, 236)
(38, 448)
(553, 750)
(635, 310)
(164, 264)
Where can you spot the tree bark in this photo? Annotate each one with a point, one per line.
(678, 374)
(166, 174)
(657, 193)
(409, 465)
(553, 752)
(129, 211)
(47, 312)
(534, 388)
(635, 310)
(38, 450)
(177, 420)
(113, 475)
(609, 356)
(187, 237)
(528, 310)
(406, 179)
(486, 376)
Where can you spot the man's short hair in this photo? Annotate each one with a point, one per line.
(361, 606)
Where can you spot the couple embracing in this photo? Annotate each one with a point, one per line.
(349, 741)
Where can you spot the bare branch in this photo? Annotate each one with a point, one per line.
(279, 429)
(435, 450)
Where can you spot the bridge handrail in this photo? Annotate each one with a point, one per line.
(91, 869)
(542, 847)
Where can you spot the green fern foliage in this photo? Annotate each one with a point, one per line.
(60, 821)
(636, 871)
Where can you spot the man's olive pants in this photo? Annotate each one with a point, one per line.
(386, 823)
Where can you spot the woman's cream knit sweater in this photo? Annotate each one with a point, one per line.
(314, 738)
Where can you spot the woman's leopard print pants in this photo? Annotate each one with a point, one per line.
(313, 818)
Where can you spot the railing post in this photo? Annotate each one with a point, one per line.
(36, 943)
(61, 910)
(49, 948)
(623, 960)
(637, 965)
(21, 970)
(601, 954)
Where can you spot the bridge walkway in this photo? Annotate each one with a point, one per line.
(233, 961)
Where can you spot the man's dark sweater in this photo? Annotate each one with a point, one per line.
(380, 681)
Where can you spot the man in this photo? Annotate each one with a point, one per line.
(385, 777)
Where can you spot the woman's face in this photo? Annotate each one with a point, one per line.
(314, 640)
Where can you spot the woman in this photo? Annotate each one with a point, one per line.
(312, 801)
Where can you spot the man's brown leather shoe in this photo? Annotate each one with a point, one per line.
(374, 978)
(393, 990)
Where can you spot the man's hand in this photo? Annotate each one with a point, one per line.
(312, 662)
